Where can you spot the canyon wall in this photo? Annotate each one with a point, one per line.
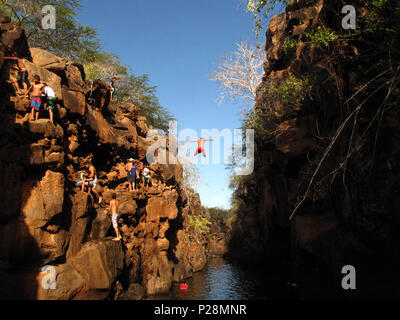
(339, 146)
(45, 220)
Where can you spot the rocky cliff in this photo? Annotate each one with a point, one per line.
(327, 155)
(45, 220)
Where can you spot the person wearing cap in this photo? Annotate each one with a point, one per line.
(131, 168)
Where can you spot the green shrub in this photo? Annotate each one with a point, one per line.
(200, 223)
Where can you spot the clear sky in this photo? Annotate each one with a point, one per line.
(178, 43)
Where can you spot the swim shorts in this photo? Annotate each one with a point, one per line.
(36, 102)
(51, 103)
(131, 179)
(114, 219)
(94, 183)
(200, 150)
(23, 76)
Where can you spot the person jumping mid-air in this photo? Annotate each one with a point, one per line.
(200, 146)
(36, 97)
(113, 207)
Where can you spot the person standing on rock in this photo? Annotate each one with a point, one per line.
(132, 169)
(49, 100)
(37, 89)
(113, 207)
(93, 180)
(146, 177)
(112, 88)
(22, 75)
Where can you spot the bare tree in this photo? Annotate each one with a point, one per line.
(240, 73)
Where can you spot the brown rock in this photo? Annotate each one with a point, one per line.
(163, 244)
(134, 292)
(42, 201)
(48, 61)
(45, 127)
(74, 101)
(162, 207)
(74, 78)
(99, 263)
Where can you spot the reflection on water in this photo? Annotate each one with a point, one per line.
(221, 280)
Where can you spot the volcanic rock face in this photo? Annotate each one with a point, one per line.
(45, 221)
(347, 218)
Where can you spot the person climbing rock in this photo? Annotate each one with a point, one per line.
(49, 100)
(22, 75)
(93, 180)
(113, 208)
(36, 97)
(200, 146)
(112, 88)
(146, 177)
(132, 170)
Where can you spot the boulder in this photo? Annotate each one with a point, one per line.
(74, 101)
(48, 61)
(74, 79)
(40, 201)
(141, 123)
(100, 225)
(162, 207)
(45, 128)
(99, 263)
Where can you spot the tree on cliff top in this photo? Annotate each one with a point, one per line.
(131, 88)
(70, 39)
(240, 73)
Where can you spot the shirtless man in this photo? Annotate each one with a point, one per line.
(200, 146)
(113, 207)
(36, 97)
(93, 180)
(22, 74)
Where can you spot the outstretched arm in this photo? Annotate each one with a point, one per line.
(193, 140)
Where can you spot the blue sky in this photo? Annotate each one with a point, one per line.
(178, 43)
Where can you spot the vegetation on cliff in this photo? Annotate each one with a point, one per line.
(326, 162)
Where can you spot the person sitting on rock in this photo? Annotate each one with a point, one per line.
(49, 100)
(112, 88)
(200, 146)
(82, 181)
(113, 207)
(146, 178)
(22, 75)
(93, 180)
(36, 97)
